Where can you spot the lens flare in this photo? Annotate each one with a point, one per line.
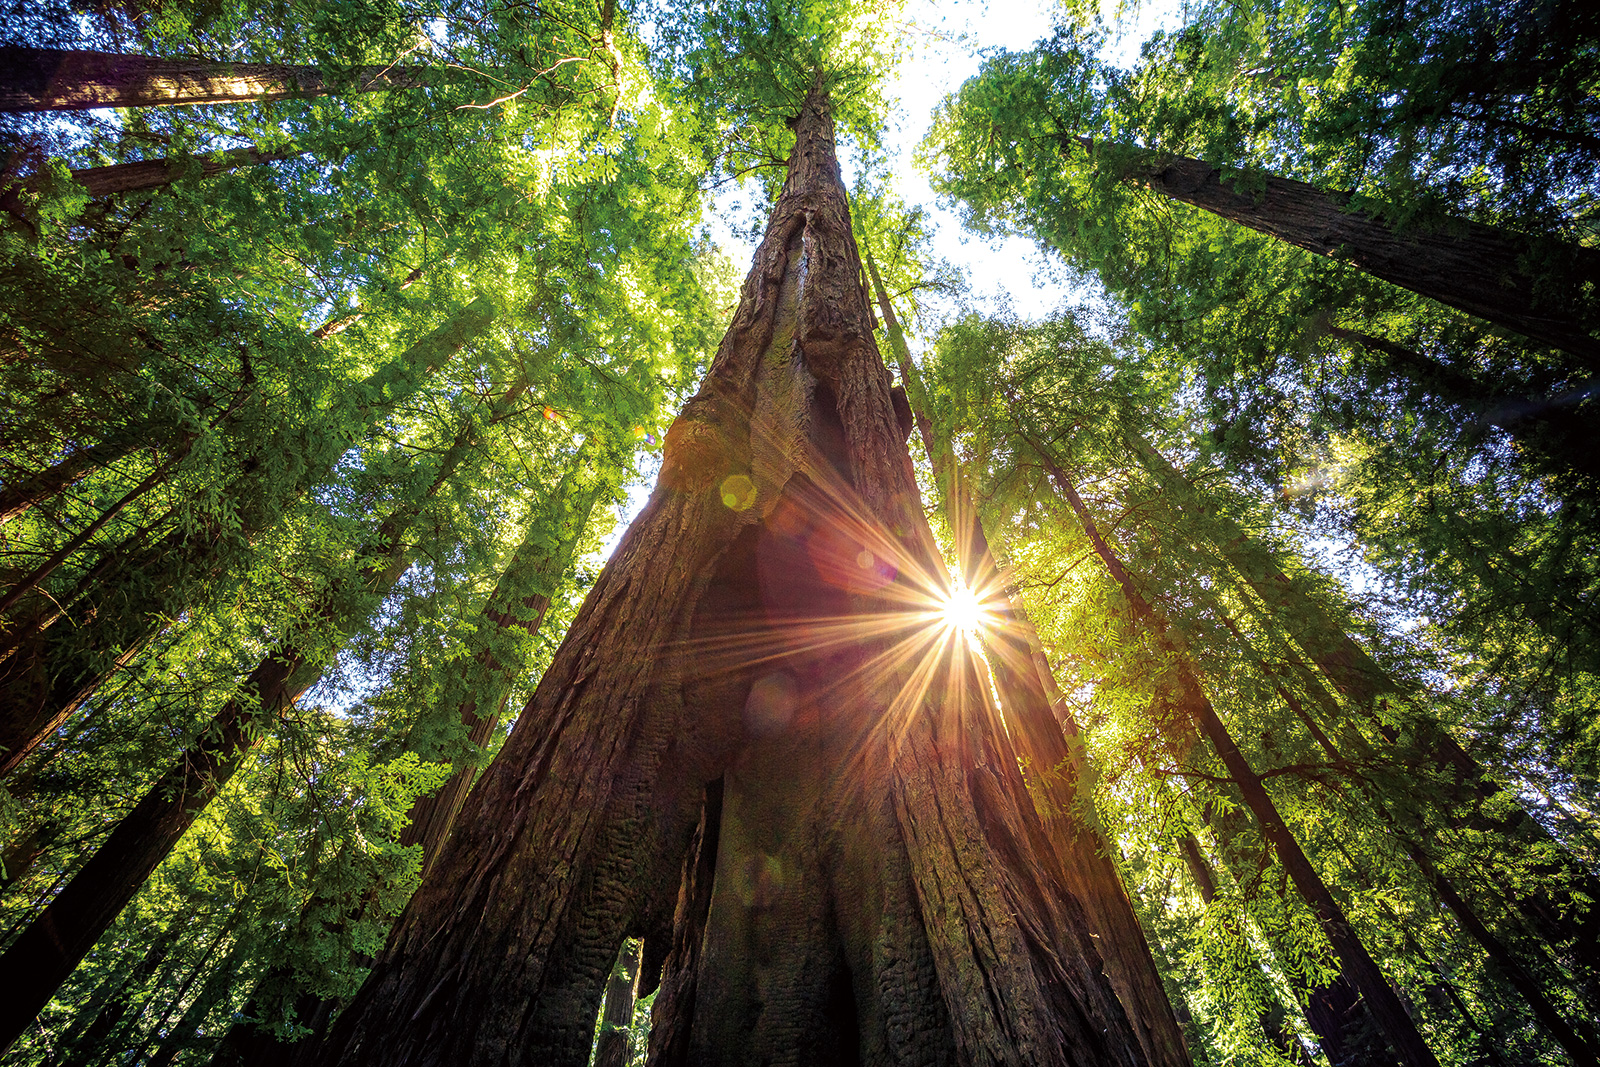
(963, 610)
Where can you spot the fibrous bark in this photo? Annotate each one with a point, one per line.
(1040, 727)
(53, 79)
(46, 673)
(883, 891)
(1479, 269)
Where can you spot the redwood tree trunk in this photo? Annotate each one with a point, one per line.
(1465, 265)
(22, 494)
(155, 173)
(611, 1048)
(1569, 916)
(513, 612)
(52, 79)
(60, 936)
(1190, 700)
(1040, 726)
(46, 674)
(883, 891)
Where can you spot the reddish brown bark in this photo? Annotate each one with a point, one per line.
(883, 889)
(50, 79)
(1040, 726)
(55, 942)
(155, 173)
(1465, 265)
(612, 1046)
(1194, 706)
(46, 674)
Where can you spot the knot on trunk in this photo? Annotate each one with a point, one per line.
(695, 455)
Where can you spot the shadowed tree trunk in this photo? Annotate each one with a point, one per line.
(1570, 916)
(52, 79)
(883, 891)
(1466, 265)
(611, 1048)
(24, 493)
(57, 939)
(47, 673)
(1040, 726)
(1192, 706)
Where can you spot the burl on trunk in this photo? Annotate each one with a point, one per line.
(759, 750)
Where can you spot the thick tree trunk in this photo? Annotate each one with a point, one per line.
(50, 79)
(47, 674)
(1190, 700)
(882, 892)
(1040, 727)
(1466, 265)
(61, 935)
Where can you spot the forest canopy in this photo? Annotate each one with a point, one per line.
(450, 613)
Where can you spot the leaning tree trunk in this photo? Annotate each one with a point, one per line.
(46, 674)
(1568, 917)
(147, 174)
(1466, 265)
(56, 941)
(472, 697)
(881, 890)
(32, 490)
(53, 79)
(1194, 706)
(1040, 725)
(477, 687)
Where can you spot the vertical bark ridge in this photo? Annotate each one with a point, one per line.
(785, 494)
(1021, 675)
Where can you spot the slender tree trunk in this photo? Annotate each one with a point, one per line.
(1465, 265)
(495, 655)
(213, 992)
(156, 173)
(1356, 963)
(612, 1047)
(49, 674)
(1552, 430)
(58, 939)
(482, 678)
(17, 497)
(882, 886)
(1500, 956)
(1571, 918)
(1040, 727)
(1205, 881)
(49, 79)
(31, 580)
(111, 1006)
